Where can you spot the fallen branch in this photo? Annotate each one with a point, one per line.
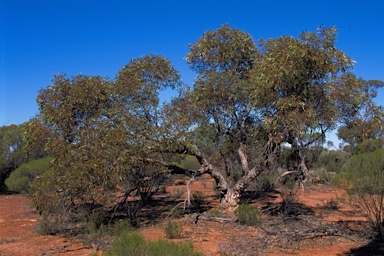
(213, 218)
(313, 230)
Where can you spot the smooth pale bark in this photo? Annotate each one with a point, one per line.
(230, 193)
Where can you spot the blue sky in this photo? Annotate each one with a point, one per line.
(39, 38)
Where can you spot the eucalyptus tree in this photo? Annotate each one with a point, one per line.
(288, 91)
(245, 103)
(304, 88)
(101, 130)
(219, 103)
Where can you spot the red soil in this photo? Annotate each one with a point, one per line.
(19, 236)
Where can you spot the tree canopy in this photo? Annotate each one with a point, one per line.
(247, 101)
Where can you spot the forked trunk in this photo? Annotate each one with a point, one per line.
(230, 199)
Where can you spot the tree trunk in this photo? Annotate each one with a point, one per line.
(231, 198)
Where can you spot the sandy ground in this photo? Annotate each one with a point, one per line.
(19, 236)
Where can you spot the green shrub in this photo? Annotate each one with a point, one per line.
(267, 182)
(247, 214)
(333, 160)
(128, 244)
(362, 177)
(134, 244)
(20, 180)
(370, 145)
(101, 234)
(49, 226)
(197, 198)
(190, 162)
(215, 213)
(178, 192)
(325, 176)
(176, 211)
(94, 222)
(172, 230)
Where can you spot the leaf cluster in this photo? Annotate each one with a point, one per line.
(298, 84)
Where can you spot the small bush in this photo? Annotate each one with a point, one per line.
(197, 198)
(247, 214)
(362, 177)
(176, 211)
(265, 182)
(103, 235)
(215, 213)
(325, 176)
(94, 222)
(331, 204)
(178, 192)
(333, 160)
(48, 227)
(172, 230)
(128, 244)
(134, 244)
(20, 180)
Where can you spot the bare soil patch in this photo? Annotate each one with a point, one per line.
(19, 236)
(314, 228)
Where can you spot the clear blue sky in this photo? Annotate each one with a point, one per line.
(39, 39)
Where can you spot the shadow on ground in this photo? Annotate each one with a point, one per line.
(375, 247)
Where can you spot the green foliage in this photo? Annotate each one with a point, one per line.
(197, 198)
(20, 180)
(248, 214)
(173, 230)
(325, 176)
(312, 155)
(46, 194)
(94, 222)
(363, 179)
(49, 226)
(245, 104)
(128, 244)
(189, 162)
(96, 232)
(178, 192)
(215, 213)
(266, 182)
(333, 160)
(135, 245)
(101, 131)
(176, 211)
(11, 153)
(367, 121)
(294, 79)
(35, 138)
(370, 145)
